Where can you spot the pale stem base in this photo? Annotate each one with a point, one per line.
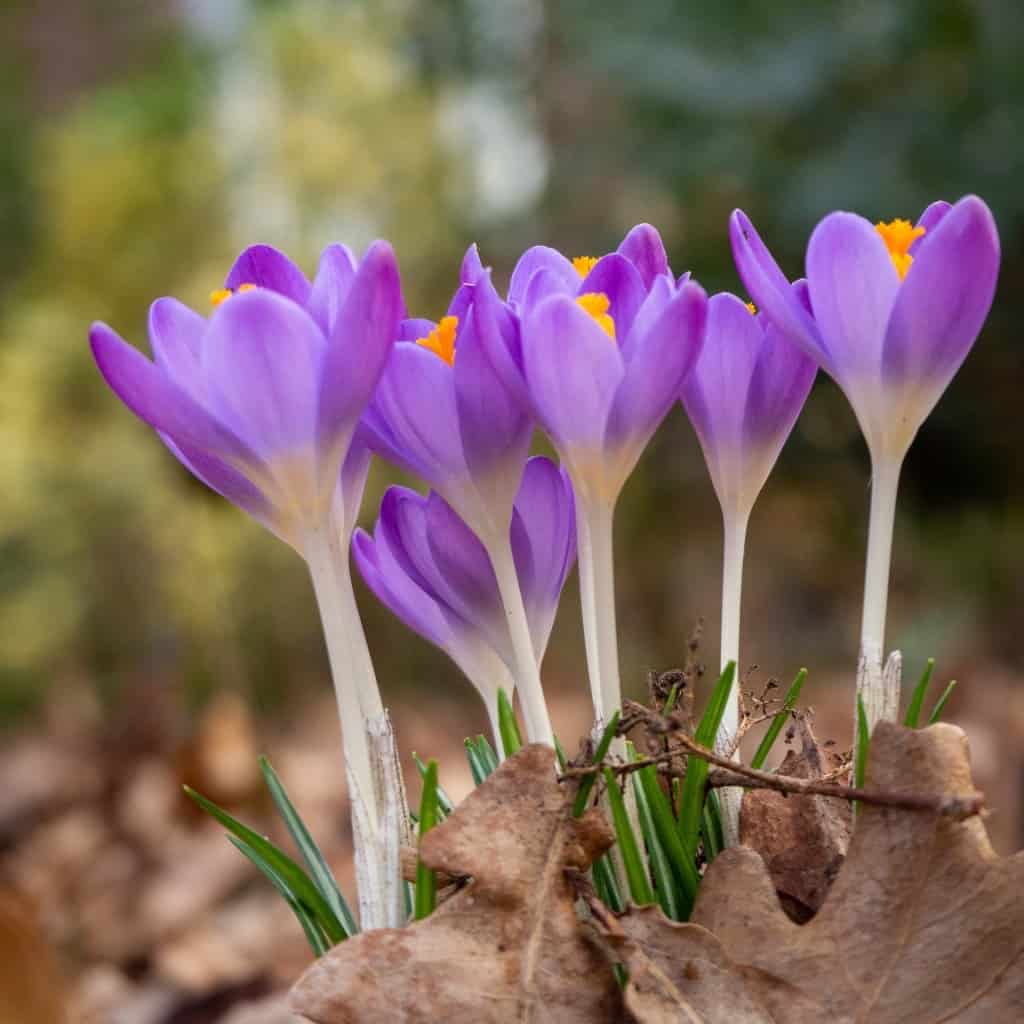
(875, 687)
(735, 536)
(527, 674)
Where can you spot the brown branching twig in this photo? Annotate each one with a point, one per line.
(734, 774)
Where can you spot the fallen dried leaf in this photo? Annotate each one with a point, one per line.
(802, 839)
(507, 947)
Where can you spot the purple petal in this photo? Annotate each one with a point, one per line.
(267, 267)
(471, 268)
(175, 334)
(262, 357)
(614, 276)
(657, 299)
(493, 424)
(352, 480)
(538, 258)
(852, 284)
(573, 370)
(359, 346)
(644, 248)
(656, 370)
(414, 329)
(929, 220)
(770, 288)
(943, 301)
(461, 301)
(151, 394)
(543, 285)
(413, 420)
(333, 280)
(498, 331)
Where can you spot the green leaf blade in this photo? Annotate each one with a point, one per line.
(587, 783)
(639, 886)
(769, 738)
(917, 697)
(508, 727)
(940, 704)
(426, 879)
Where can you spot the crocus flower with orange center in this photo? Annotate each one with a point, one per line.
(890, 311)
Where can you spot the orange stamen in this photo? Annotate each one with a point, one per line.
(441, 340)
(899, 235)
(597, 305)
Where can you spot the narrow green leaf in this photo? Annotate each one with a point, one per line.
(488, 758)
(917, 698)
(318, 943)
(606, 884)
(670, 701)
(691, 805)
(639, 886)
(426, 880)
(680, 859)
(476, 769)
(775, 727)
(323, 878)
(860, 759)
(560, 755)
(661, 870)
(711, 828)
(299, 883)
(587, 782)
(507, 724)
(941, 703)
(444, 804)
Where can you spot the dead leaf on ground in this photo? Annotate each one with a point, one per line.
(507, 947)
(802, 839)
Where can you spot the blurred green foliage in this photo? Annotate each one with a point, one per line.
(142, 145)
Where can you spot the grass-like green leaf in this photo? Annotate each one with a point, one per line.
(488, 758)
(691, 804)
(426, 880)
(476, 768)
(711, 828)
(560, 755)
(860, 756)
(304, 891)
(636, 876)
(587, 782)
(665, 885)
(606, 884)
(917, 697)
(444, 804)
(775, 727)
(670, 700)
(508, 727)
(322, 876)
(941, 703)
(314, 935)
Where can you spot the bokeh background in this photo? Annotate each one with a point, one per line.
(151, 634)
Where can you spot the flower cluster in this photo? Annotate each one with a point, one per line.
(278, 398)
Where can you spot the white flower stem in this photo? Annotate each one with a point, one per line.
(597, 597)
(527, 673)
(735, 536)
(880, 696)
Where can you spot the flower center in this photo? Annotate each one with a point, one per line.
(583, 265)
(596, 304)
(223, 294)
(898, 236)
(441, 340)
(751, 308)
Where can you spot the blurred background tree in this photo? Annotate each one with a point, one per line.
(143, 144)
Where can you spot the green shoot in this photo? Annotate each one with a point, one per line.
(508, 727)
(769, 738)
(426, 880)
(639, 886)
(917, 697)
(941, 703)
(587, 782)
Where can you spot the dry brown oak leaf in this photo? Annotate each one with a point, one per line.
(923, 924)
(506, 947)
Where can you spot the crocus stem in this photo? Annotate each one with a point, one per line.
(527, 674)
(366, 677)
(597, 590)
(735, 536)
(880, 700)
(322, 547)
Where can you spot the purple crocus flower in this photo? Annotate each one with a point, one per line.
(890, 311)
(261, 401)
(743, 397)
(442, 413)
(604, 347)
(432, 571)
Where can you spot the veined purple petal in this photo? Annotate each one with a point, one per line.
(267, 267)
(573, 370)
(644, 248)
(852, 283)
(498, 331)
(770, 289)
(461, 301)
(537, 258)
(929, 220)
(175, 334)
(656, 369)
(359, 346)
(398, 592)
(153, 396)
(657, 299)
(942, 303)
(471, 268)
(413, 420)
(331, 286)
(262, 359)
(542, 285)
(352, 481)
(493, 424)
(414, 329)
(615, 276)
